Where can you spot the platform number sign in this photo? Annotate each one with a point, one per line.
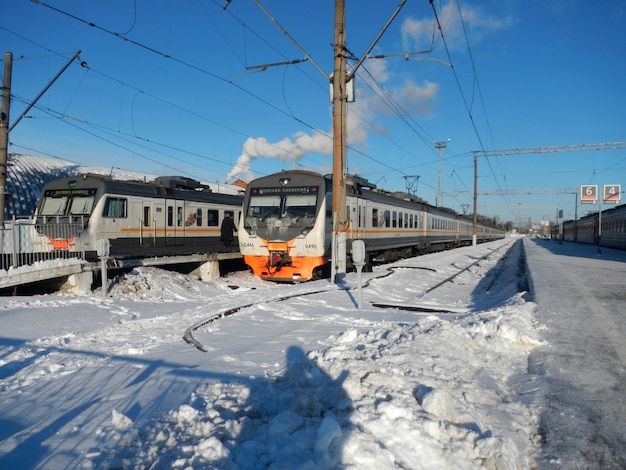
(588, 194)
(612, 193)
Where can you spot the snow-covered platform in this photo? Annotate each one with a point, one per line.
(78, 273)
(581, 299)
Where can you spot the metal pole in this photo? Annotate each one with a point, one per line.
(340, 98)
(440, 146)
(4, 129)
(575, 217)
(475, 221)
(599, 226)
(41, 93)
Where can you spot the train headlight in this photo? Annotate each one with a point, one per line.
(284, 181)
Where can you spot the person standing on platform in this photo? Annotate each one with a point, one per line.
(227, 230)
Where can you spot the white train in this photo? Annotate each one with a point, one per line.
(170, 216)
(585, 229)
(285, 233)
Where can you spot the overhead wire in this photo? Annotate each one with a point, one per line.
(62, 115)
(211, 74)
(468, 108)
(132, 26)
(174, 104)
(480, 95)
(398, 110)
(174, 59)
(477, 85)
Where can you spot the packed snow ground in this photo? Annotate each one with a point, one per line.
(293, 379)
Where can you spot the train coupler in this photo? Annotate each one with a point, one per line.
(278, 259)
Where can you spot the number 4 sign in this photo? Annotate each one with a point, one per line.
(588, 194)
(612, 193)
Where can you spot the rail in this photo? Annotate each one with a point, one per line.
(21, 243)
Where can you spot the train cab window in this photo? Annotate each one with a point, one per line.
(199, 217)
(115, 207)
(53, 205)
(81, 205)
(146, 216)
(264, 206)
(68, 202)
(374, 217)
(212, 217)
(300, 205)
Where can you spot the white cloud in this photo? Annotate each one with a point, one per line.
(417, 34)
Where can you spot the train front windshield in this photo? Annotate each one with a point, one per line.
(296, 208)
(63, 202)
(291, 205)
(264, 206)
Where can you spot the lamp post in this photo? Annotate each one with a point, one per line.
(440, 146)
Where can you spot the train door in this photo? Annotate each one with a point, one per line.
(155, 214)
(134, 227)
(174, 222)
(152, 223)
(361, 219)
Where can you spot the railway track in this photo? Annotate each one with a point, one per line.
(501, 265)
(305, 289)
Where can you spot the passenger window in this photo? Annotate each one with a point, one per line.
(170, 216)
(374, 217)
(212, 217)
(114, 207)
(199, 217)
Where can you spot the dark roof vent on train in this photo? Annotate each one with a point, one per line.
(407, 197)
(359, 181)
(180, 182)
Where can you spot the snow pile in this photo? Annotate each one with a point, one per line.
(434, 394)
(156, 285)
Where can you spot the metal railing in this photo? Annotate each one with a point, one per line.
(22, 242)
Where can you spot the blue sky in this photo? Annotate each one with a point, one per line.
(172, 88)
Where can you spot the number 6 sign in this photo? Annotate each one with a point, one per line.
(588, 194)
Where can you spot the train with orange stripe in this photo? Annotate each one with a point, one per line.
(285, 232)
(169, 216)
